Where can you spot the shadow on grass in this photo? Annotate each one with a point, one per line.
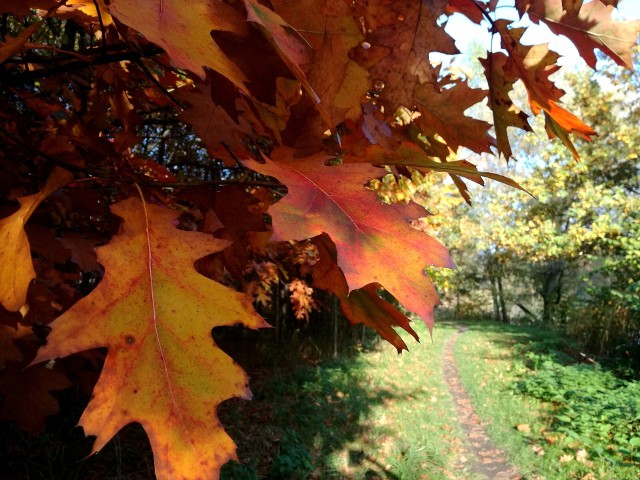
(60, 452)
(301, 415)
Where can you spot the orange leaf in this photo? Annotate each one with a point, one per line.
(534, 65)
(183, 29)
(163, 369)
(588, 26)
(363, 305)
(572, 6)
(16, 267)
(375, 242)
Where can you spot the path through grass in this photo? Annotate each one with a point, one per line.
(558, 414)
(384, 416)
(378, 416)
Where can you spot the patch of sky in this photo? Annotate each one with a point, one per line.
(465, 32)
(474, 40)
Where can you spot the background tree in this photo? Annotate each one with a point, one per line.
(574, 242)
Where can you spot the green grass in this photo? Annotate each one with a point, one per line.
(378, 415)
(554, 418)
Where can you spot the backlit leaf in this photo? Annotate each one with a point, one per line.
(361, 306)
(589, 27)
(534, 65)
(163, 369)
(333, 200)
(16, 267)
(505, 113)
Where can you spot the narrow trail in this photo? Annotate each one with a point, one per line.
(484, 459)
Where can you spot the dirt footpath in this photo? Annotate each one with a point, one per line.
(484, 459)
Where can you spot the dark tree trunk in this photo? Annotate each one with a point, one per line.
(494, 292)
(503, 306)
(551, 281)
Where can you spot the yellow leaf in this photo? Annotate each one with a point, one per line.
(16, 266)
(154, 313)
(183, 28)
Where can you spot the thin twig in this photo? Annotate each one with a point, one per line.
(72, 66)
(143, 67)
(103, 40)
(233, 155)
(251, 183)
(484, 13)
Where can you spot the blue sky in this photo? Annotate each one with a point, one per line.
(465, 32)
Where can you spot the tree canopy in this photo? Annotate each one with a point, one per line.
(152, 149)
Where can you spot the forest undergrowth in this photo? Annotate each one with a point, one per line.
(557, 412)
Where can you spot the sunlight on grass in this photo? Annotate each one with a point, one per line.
(414, 433)
(377, 415)
(492, 359)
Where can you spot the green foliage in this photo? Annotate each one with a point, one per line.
(592, 408)
(293, 460)
(555, 418)
(236, 471)
(569, 256)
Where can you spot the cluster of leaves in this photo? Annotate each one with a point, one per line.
(592, 408)
(318, 95)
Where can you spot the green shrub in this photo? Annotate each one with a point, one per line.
(591, 408)
(293, 459)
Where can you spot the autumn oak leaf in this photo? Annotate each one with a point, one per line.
(16, 266)
(442, 106)
(589, 26)
(375, 242)
(400, 36)
(332, 32)
(505, 113)
(183, 29)
(534, 64)
(163, 369)
(363, 305)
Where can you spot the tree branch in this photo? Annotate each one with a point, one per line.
(177, 103)
(33, 150)
(10, 79)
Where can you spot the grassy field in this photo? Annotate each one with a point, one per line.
(377, 416)
(556, 412)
